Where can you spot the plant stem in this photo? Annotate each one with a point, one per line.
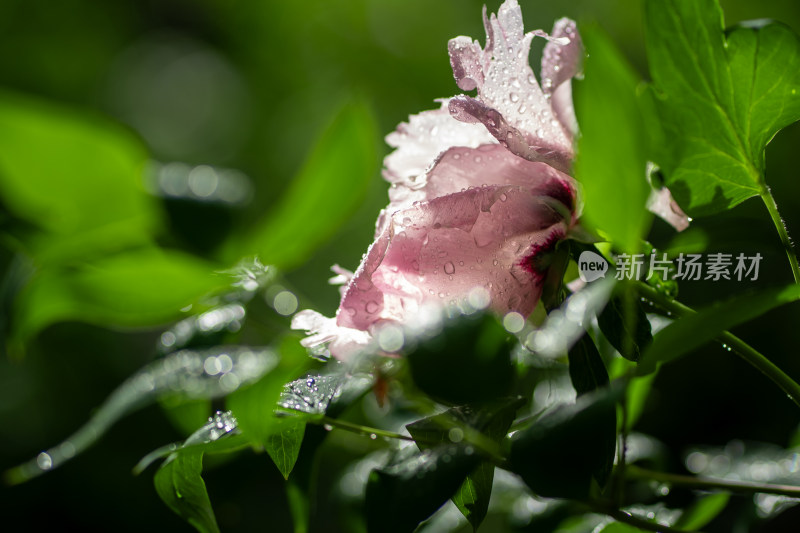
(471, 436)
(364, 430)
(741, 348)
(703, 483)
(772, 207)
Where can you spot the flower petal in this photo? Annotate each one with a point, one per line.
(560, 63)
(440, 250)
(524, 144)
(458, 169)
(505, 81)
(661, 204)
(418, 142)
(341, 342)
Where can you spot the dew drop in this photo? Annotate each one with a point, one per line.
(371, 306)
(44, 461)
(449, 267)
(514, 97)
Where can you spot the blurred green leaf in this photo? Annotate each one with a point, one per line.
(142, 287)
(329, 187)
(625, 325)
(468, 362)
(703, 511)
(721, 98)
(405, 493)
(75, 176)
(692, 331)
(493, 420)
(180, 485)
(283, 443)
(611, 158)
(619, 527)
(186, 374)
(636, 397)
(562, 452)
(586, 368)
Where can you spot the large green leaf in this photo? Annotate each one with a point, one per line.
(75, 176)
(402, 495)
(611, 160)
(692, 331)
(328, 188)
(721, 98)
(180, 485)
(142, 287)
(493, 421)
(558, 455)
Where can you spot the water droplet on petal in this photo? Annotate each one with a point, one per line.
(449, 267)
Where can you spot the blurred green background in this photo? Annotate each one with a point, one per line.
(250, 85)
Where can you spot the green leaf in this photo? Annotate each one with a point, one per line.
(283, 443)
(402, 495)
(183, 374)
(721, 98)
(220, 434)
(625, 325)
(693, 331)
(703, 511)
(329, 187)
(611, 157)
(468, 362)
(138, 288)
(75, 176)
(180, 485)
(586, 368)
(619, 527)
(494, 420)
(254, 406)
(562, 452)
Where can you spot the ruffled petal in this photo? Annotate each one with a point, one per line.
(440, 250)
(418, 142)
(505, 81)
(562, 60)
(341, 342)
(528, 146)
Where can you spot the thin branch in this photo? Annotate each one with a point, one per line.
(704, 483)
(780, 226)
(737, 345)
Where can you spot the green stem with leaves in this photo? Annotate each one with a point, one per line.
(780, 226)
(741, 348)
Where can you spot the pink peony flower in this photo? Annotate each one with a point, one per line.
(480, 189)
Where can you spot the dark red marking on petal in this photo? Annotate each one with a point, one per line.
(540, 255)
